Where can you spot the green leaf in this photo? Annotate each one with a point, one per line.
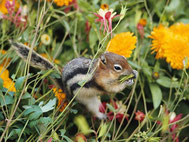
(49, 106)
(6, 100)
(147, 70)
(167, 82)
(26, 96)
(55, 136)
(1, 83)
(84, 6)
(156, 95)
(111, 107)
(174, 4)
(82, 124)
(19, 82)
(14, 133)
(92, 38)
(33, 111)
(1, 116)
(103, 130)
(134, 65)
(66, 25)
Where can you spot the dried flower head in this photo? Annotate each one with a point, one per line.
(45, 39)
(122, 44)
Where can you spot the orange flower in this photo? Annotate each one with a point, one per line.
(6, 61)
(142, 22)
(104, 6)
(62, 2)
(62, 103)
(160, 37)
(122, 44)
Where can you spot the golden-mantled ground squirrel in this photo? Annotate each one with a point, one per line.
(101, 76)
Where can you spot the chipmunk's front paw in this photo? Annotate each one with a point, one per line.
(101, 115)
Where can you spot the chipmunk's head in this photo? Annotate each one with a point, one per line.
(110, 68)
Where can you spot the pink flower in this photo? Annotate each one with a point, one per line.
(17, 18)
(139, 116)
(105, 17)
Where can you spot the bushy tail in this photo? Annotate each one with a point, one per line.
(37, 60)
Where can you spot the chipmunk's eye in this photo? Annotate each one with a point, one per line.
(117, 67)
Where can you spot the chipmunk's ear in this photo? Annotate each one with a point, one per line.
(103, 59)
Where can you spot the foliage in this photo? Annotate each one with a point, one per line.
(31, 110)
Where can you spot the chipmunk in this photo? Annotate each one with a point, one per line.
(100, 76)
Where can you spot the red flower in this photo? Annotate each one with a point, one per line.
(172, 118)
(139, 116)
(110, 115)
(174, 126)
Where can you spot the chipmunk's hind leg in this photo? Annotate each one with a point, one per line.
(93, 104)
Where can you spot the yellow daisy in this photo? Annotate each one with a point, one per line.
(122, 44)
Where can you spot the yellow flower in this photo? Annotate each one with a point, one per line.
(3, 9)
(172, 44)
(104, 6)
(122, 44)
(7, 82)
(62, 2)
(62, 103)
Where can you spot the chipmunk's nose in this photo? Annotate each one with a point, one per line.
(135, 73)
